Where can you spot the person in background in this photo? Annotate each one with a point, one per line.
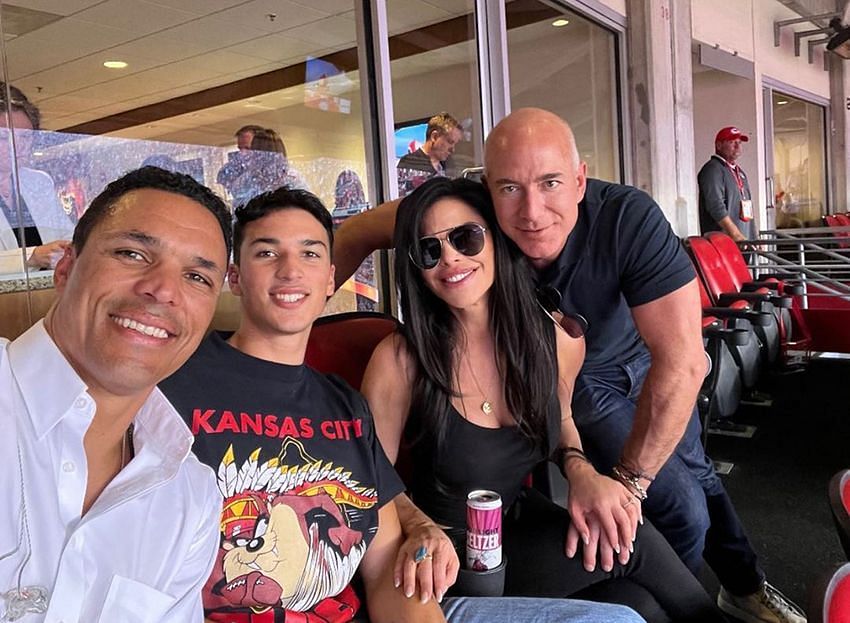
(237, 161)
(443, 133)
(33, 220)
(269, 167)
(105, 514)
(725, 200)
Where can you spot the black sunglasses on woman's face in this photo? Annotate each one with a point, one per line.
(549, 299)
(467, 239)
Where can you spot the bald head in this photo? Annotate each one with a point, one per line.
(533, 172)
(531, 126)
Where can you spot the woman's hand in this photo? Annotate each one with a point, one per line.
(604, 516)
(436, 572)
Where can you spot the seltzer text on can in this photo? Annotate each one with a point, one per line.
(483, 530)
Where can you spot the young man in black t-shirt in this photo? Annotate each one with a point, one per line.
(307, 488)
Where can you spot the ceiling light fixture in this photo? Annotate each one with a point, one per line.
(558, 23)
(114, 64)
(781, 102)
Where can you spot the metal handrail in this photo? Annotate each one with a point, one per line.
(819, 258)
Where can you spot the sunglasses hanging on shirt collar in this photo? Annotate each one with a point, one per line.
(549, 300)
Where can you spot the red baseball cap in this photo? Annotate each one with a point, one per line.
(730, 133)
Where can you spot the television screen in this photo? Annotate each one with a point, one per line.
(324, 82)
(409, 137)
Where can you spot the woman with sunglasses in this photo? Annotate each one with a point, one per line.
(477, 384)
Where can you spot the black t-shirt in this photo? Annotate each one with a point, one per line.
(301, 470)
(622, 253)
(414, 169)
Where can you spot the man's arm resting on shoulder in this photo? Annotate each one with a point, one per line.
(384, 602)
(360, 235)
(672, 330)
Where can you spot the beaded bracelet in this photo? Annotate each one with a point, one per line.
(634, 473)
(630, 482)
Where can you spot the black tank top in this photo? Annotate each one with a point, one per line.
(474, 457)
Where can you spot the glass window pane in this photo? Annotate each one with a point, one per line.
(799, 166)
(565, 63)
(183, 76)
(434, 71)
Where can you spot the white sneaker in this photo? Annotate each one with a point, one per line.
(767, 605)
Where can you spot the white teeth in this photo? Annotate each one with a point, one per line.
(254, 565)
(458, 277)
(141, 328)
(290, 298)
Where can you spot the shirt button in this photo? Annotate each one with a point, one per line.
(68, 466)
(80, 403)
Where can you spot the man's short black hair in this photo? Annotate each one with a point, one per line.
(156, 179)
(283, 198)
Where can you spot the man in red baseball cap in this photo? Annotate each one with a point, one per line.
(725, 200)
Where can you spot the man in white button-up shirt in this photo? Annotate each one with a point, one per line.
(105, 514)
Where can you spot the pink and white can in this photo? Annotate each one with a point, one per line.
(483, 530)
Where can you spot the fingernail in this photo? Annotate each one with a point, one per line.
(408, 594)
(617, 548)
(632, 547)
(424, 599)
(396, 582)
(586, 539)
(439, 598)
(641, 520)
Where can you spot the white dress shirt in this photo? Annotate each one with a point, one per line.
(146, 546)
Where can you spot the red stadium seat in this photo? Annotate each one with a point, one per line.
(791, 333)
(829, 597)
(839, 504)
(839, 220)
(723, 292)
(343, 343)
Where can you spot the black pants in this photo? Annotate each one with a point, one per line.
(654, 582)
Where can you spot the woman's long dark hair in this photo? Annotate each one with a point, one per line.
(522, 333)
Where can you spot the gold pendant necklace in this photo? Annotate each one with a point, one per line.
(486, 406)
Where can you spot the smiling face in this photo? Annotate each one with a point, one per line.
(135, 302)
(284, 278)
(459, 280)
(535, 181)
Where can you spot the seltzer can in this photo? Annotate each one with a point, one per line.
(483, 530)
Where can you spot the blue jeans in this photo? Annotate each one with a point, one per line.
(534, 610)
(687, 503)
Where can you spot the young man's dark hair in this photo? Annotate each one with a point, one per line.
(284, 198)
(156, 179)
